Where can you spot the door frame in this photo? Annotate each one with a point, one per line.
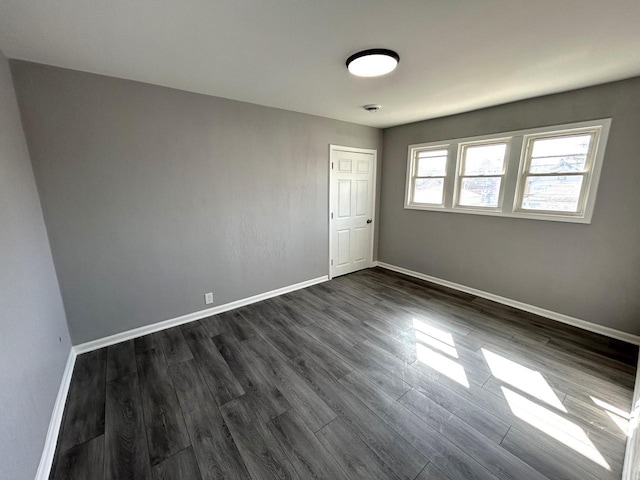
(342, 148)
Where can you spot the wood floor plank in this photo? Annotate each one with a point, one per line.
(266, 308)
(431, 472)
(554, 396)
(436, 447)
(166, 431)
(304, 399)
(147, 342)
(126, 452)
(121, 359)
(215, 325)
(601, 418)
(294, 311)
(175, 346)
(488, 454)
(214, 448)
(549, 461)
(268, 399)
(270, 331)
(333, 364)
(399, 454)
(557, 368)
(84, 412)
(527, 415)
(491, 426)
(353, 455)
(305, 452)
(260, 451)
(240, 326)
(224, 386)
(81, 462)
(352, 353)
(357, 355)
(182, 466)
(307, 297)
(386, 375)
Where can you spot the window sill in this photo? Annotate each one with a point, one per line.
(497, 213)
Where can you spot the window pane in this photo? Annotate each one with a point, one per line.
(484, 159)
(566, 145)
(432, 153)
(429, 190)
(558, 164)
(560, 154)
(556, 194)
(434, 166)
(432, 163)
(480, 192)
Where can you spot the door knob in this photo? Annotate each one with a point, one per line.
(369, 221)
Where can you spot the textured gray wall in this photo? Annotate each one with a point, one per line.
(591, 272)
(34, 341)
(154, 196)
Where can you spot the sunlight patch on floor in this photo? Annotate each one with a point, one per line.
(620, 422)
(523, 378)
(621, 418)
(554, 425)
(424, 339)
(610, 408)
(442, 364)
(438, 334)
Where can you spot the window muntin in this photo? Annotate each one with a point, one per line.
(481, 174)
(569, 157)
(429, 170)
(555, 172)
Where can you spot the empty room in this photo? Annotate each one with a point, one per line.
(338, 239)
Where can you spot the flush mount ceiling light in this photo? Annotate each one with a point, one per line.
(373, 62)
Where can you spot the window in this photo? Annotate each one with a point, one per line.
(429, 170)
(548, 173)
(555, 173)
(480, 179)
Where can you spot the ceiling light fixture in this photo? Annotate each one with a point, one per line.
(373, 108)
(373, 62)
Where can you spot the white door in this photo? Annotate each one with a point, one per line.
(351, 204)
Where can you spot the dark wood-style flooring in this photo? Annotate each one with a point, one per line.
(372, 375)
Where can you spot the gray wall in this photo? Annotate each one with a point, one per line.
(591, 272)
(154, 196)
(34, 341)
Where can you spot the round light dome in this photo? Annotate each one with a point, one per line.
(373, 63)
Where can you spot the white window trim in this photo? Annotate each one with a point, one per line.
(412, 174)
(459, 176)
(514, 172)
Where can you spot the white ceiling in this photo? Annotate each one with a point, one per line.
(456, 55)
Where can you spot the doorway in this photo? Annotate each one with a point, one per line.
(352, 188)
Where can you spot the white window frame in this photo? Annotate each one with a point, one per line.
(412, 174)
(515, 164)
(462, 146)
(525, 163)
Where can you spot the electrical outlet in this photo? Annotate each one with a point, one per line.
(208, 298)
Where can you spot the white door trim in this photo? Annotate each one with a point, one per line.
(341, 148)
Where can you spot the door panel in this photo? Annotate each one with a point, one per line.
(351, 202)
(362, 198)
(344, 247)
(344, 198)
(360, 244)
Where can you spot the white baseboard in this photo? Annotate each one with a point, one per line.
(191, 317)
(560, 317)
(49, 450)
(631, 467)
